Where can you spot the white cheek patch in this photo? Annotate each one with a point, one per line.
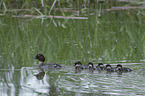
(77, 65)
(90, 65)
(101, 65)
(109, 67)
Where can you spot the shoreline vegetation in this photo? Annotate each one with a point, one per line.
(70, 9)
(100, 31)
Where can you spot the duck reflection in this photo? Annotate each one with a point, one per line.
(40, 75)
(119, 73)
(78, 71)
(51, 78)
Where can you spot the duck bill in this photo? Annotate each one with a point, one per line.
(34, 58)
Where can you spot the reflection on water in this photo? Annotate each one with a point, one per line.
(66, 81)
(40, 75)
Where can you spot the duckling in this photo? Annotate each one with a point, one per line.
(78, 65)
(90, 65)
(119, 68)
(109, 68)
(100, 66)
(41, 65)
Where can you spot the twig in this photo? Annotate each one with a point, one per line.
(61, 17)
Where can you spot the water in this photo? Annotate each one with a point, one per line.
(66, 81)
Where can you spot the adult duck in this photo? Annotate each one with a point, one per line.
(41, 65)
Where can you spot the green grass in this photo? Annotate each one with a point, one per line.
(109, 37)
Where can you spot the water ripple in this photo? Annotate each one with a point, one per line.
(112, 84)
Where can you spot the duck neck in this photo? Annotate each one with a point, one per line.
(40, 62)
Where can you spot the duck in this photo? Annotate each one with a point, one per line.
(109, 68)
(78, 65)
(100, 66)
(41, 64)
(90, 65)
(119, 68)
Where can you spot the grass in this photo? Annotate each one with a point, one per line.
(110, 37)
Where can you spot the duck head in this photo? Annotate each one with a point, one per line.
(119, 67)
(101, 65)
(90, 65)
(108, 67)
(78, 64)
(40, 57)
